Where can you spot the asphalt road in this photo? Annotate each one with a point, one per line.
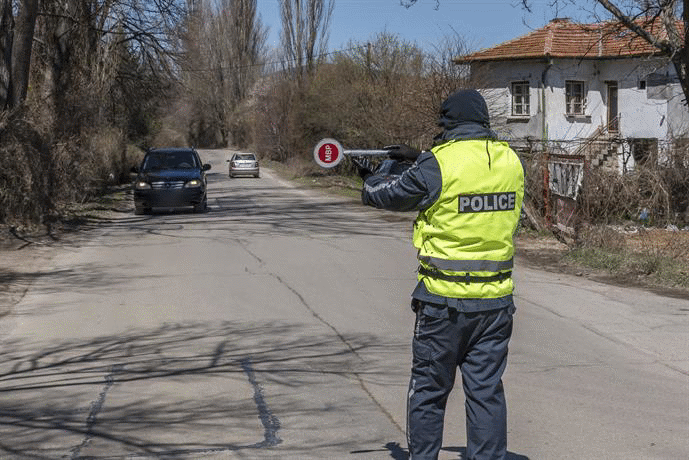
(277, 326)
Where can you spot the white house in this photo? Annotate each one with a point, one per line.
(570, 84)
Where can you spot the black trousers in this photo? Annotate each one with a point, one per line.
(476, 343)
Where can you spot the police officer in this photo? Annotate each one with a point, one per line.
(468, 190)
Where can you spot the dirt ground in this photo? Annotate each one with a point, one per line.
(548, 253)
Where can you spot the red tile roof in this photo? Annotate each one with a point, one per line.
(565, 39)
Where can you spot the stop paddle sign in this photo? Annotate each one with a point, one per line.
(328, 153)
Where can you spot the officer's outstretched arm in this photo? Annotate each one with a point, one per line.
(403, 187)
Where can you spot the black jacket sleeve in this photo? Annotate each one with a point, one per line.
(415, 190)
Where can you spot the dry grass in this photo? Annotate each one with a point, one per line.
(666, 243)
(41, 176)
(646, 256)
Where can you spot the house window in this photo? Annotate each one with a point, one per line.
(520, 98)
(574, 97)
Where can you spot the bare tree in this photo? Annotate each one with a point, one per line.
(79, 27)
(205, 62)
(246, 38)
(305, 31)
(443, 76)
(16, 45)
(224, 51)
(674, 43)
(387, 76)
(68, 65)
(6, 36)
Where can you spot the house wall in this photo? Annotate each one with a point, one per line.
(677, 112)
(655, 111)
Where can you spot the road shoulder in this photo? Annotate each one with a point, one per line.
(22, 260)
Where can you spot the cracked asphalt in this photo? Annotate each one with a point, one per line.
(277, 325)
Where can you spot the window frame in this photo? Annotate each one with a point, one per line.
(525, 95)
(571, 102)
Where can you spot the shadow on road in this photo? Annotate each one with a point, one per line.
(399, 453)
(192, 389)
(263, 208)
(166, 393)
(463, 451)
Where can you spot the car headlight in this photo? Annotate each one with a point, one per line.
(142, 185)
(193, 183)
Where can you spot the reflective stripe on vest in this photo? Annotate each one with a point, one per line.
(467, 265)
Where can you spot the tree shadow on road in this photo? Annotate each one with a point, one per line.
(167, 392)
(261, 210)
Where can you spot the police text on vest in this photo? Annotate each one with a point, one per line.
(487, 202)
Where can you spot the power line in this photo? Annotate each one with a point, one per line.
(363, 48)
(274, 62)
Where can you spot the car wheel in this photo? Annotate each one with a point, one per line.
(202, 206)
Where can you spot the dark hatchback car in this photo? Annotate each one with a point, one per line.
(170, 178)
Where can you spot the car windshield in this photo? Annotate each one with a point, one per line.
(169, 160)
(245, 156)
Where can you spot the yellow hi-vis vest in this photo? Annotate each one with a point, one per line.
(465, 238)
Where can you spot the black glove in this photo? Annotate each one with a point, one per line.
(365, 173)
(402, 152)
(363, 166)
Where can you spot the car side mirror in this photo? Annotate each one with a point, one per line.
(206, 167)
(135, 169)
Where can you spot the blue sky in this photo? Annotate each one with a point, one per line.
(482, 23)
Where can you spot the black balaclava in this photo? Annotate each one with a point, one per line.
(464, 115)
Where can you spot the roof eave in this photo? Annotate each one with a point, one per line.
(470, 60)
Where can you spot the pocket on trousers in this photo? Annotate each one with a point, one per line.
(421, 354)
